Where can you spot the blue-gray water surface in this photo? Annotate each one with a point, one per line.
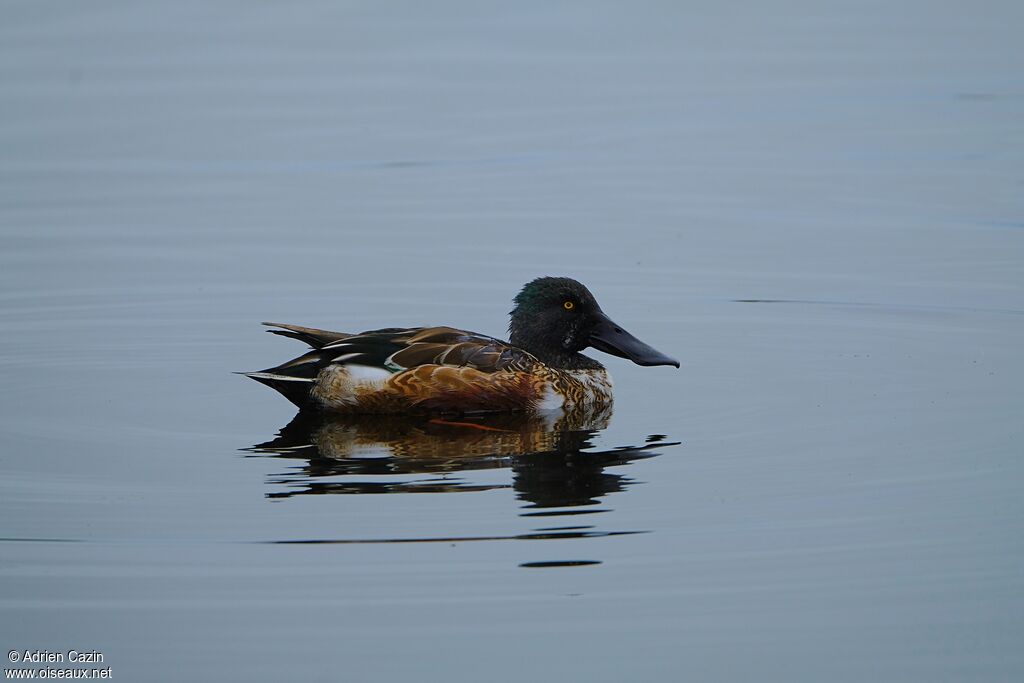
(816, 207)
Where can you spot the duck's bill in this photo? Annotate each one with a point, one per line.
(612, 339)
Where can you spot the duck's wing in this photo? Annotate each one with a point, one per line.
(424, 356)
(403, 349)
(399, 348)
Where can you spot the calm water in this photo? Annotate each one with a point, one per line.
(816, 209)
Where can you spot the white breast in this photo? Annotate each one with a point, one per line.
(550, 399)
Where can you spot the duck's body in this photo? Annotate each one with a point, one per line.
(446, 370)
(426, 369)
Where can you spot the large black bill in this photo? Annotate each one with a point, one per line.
(611, 338)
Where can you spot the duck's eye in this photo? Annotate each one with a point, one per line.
(568, 305)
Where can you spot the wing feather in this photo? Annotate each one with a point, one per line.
(397, 348)
(432, 369)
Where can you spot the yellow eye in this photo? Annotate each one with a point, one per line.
(568, 305)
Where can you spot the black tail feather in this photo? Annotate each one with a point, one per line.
(312, 336)
(295, 389)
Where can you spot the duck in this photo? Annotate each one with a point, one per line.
(444, 370)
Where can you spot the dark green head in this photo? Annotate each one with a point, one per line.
(556, 317)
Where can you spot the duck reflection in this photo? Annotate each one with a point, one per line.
(552, 457)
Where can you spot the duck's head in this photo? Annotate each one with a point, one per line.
(556, 317)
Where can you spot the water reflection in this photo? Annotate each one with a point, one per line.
(553, 460)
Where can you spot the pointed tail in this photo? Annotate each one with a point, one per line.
(295, 389)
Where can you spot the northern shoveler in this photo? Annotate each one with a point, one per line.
(445, 370)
